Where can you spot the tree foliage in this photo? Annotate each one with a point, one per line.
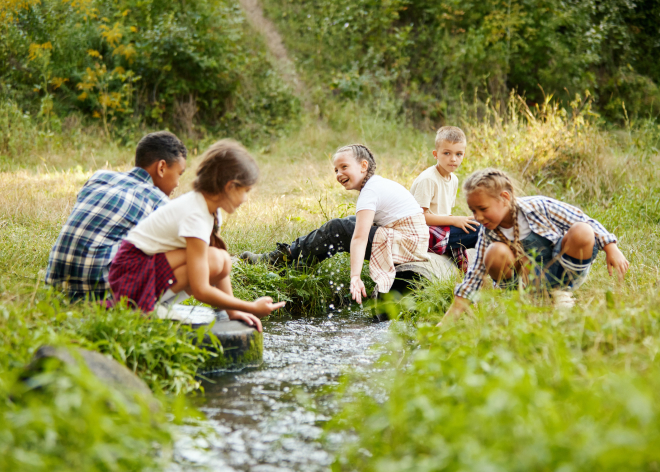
(184, 64)
(432, 52)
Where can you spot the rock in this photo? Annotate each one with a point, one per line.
(191, 314)
(437, 267)
(241, 344)
(109, 371)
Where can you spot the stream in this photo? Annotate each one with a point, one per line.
(270, 418)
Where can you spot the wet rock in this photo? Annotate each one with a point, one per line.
(109, 371)
(242, 345)
(437, 267)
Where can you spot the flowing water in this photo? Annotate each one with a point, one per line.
(270, 418)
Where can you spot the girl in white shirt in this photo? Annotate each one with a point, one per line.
(177, 247)
(402, 235)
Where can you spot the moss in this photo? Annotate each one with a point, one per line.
(235, 357)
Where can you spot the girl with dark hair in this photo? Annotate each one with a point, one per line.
(177, 248)
(402, 235)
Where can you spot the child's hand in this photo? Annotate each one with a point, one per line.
(264, 306)
(455, 310)
(357, 289)
(248, 318)
(616, 261)
(466, 223)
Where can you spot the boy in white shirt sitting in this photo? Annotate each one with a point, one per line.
(435, 190)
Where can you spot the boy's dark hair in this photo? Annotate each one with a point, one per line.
(161, 145)
(224, 161)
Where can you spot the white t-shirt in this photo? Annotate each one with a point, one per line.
(390, 200)
(523, 228)
(166, 228)
(433, 191)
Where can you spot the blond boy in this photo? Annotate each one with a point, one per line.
(435, 190)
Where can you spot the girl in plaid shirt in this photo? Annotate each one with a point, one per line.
(537, 240)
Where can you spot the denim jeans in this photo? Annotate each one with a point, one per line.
(549, 269)
(460, 239)
(333, 237)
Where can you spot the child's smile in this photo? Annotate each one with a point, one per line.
(349, 172)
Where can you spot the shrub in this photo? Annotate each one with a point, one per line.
(189, 65)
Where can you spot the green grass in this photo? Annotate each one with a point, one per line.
(514, 386)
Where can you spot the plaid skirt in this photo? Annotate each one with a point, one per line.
(405, 240)
(140, 278)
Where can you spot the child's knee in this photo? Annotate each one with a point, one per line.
(581, 234)
(498, 254)
(219, 262)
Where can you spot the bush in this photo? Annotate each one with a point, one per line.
(430, 53)
(189, 65)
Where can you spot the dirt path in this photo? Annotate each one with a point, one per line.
(273, 39)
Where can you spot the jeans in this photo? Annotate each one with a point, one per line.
(333, 237)
(460, 239)
(550, 268)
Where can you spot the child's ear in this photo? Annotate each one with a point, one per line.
(161, 167)
(505, 195)
(230, 186)
(365, 166)
(435, 153)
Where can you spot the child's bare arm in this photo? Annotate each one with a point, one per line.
(616, 261)
(466, 223)
(198, 278)
(363, 223)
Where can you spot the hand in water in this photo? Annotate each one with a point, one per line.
(357, 289)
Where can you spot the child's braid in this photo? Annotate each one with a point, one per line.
(494, 181)
(515, 245)
(361, 153)
(216, 240)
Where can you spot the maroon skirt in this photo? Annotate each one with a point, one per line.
(139, 278)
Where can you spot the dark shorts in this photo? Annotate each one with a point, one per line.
(140, 278)
(550, 270)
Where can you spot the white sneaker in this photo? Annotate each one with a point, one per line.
(563, 300)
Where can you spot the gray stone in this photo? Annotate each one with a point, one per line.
(242, 345)
(109, 371)
(437, 267)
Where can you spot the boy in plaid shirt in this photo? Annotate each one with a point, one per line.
(107, 207)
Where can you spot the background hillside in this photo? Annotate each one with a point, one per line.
(196, 67)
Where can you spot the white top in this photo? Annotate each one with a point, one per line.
(166, 228)
(390, 200)
(523, 228)
(433, 191)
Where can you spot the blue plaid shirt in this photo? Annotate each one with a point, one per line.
(107, 207)
(547, 217)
